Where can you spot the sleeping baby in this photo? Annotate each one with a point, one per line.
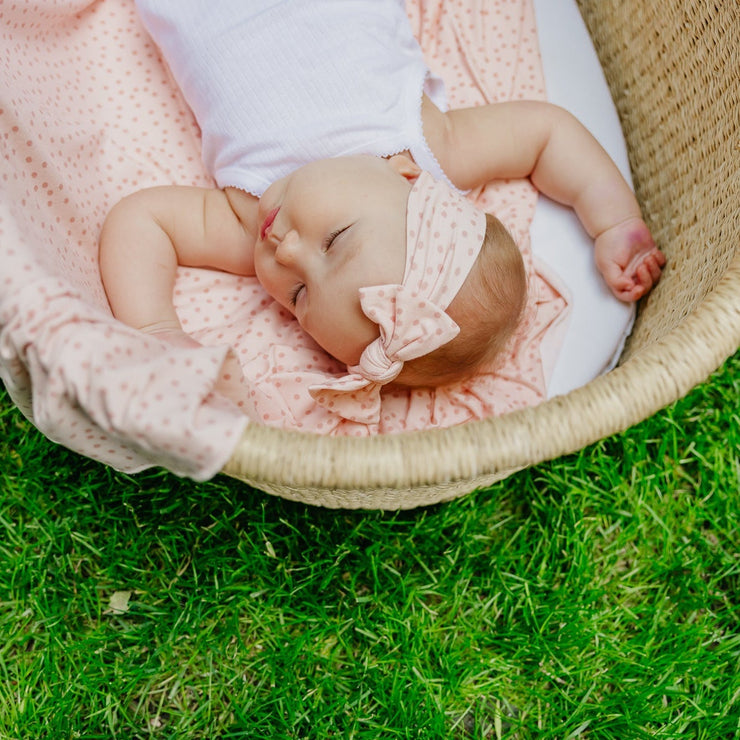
(347, 200)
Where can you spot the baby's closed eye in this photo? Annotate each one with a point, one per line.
(329, 243)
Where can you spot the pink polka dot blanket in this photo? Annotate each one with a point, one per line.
(88, 114)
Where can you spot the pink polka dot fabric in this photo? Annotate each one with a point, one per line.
(88, 114)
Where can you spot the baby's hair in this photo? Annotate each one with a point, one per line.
(487, 309)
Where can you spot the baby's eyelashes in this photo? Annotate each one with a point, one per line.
(329, 243)
(294, 294)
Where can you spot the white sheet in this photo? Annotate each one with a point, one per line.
(598, 323)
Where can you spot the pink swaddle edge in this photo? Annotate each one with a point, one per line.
(74, 137)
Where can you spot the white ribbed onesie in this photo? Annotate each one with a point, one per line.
(275, 84)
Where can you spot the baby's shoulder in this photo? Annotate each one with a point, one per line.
(243, 204)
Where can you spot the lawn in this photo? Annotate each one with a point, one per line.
(595, 596)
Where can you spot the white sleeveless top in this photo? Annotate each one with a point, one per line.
(275, 84)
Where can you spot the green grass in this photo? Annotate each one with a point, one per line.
(596, 596)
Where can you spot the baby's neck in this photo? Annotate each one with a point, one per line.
(245, 206)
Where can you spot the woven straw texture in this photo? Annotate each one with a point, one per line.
(673, 67)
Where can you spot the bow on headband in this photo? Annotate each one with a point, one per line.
(444, 234)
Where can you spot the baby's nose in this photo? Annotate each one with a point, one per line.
(287, 249)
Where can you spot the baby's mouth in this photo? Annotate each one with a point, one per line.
(267, 223)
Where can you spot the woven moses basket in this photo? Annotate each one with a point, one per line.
(673, 67)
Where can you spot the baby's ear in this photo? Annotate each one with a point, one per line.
(405, 166)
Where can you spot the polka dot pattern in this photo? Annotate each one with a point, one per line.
(89, 113)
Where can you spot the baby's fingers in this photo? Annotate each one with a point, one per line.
(643, 278)
(655, 263)
(634, 284)
(634, 293)
(649, 270)
(627, 289)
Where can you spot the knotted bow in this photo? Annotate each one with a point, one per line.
(410, 327)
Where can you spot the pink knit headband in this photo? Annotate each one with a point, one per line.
(444, 234)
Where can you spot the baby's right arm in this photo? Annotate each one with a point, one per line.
(149, 233)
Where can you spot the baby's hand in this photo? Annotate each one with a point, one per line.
(628, 259)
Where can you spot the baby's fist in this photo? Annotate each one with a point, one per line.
(628, 259)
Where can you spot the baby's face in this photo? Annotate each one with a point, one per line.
(327, 230)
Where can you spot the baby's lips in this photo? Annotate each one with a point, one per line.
(267, 223)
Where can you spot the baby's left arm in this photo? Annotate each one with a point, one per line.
(563, 160)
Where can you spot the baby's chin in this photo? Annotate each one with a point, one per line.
(348, 352)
